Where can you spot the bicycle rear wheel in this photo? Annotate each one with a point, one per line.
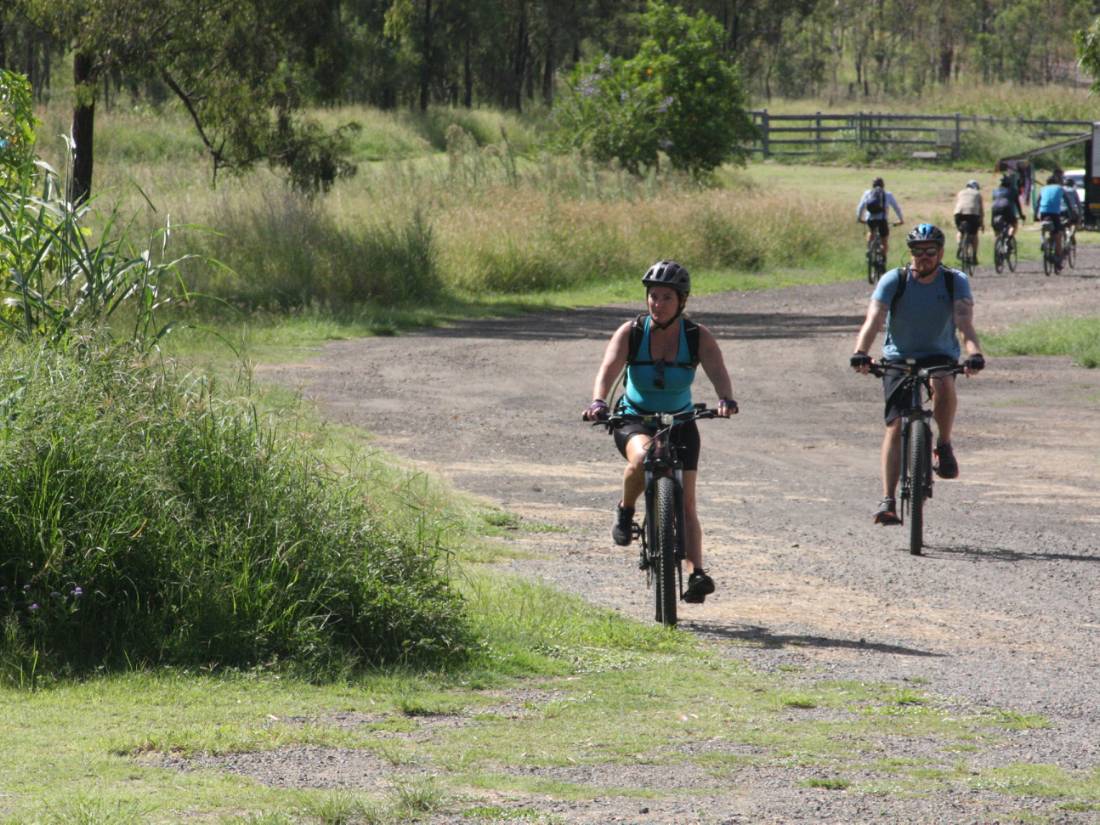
(664, 546)
(1071, 253)
(920, 476)
(1010, 254)
(999, 254)
(1048, 255)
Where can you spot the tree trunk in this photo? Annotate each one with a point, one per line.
(426, 66)
(468, 74)
(80, 182)
(519, 58)
(548, 67)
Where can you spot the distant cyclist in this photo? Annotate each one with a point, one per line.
(1071, 210)
(1051, 200)
(1005, 209)
(876, 203)
(969, 214)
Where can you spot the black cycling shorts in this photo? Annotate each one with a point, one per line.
(1004, 218)
(896, 402)
(882, 224)
(1054, 220)
(968, 224)
(685, 437)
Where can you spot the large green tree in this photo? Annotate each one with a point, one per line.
(243, 69)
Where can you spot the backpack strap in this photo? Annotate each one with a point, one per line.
(903, 281)
(637, 332)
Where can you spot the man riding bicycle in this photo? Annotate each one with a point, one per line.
(969, 214)
(658, 379)
(921, 306)
(1005, 208)
(1051, 201)
(1072, 211)
(876, 202)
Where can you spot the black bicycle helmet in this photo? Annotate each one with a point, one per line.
(670, 274)
(925, 233)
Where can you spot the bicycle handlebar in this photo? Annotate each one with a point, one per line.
(880, 368)
(662, 420)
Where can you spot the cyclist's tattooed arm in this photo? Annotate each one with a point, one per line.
(964, 322)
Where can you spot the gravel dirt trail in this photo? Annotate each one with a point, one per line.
(1003, 610)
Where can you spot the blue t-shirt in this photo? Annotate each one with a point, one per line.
(924, 321)
(656, 388)
(1051, 197)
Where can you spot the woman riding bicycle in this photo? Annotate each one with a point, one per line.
(658, 379)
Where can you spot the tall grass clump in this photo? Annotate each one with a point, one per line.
(289, 252)
(1078, 338)
(143, 520)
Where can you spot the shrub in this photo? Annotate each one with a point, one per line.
(142, 520)
(676, 95)
(17, 125)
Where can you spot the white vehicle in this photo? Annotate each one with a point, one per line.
(1077, 178)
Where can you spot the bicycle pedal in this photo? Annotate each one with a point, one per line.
(635, 530)
(643, 561)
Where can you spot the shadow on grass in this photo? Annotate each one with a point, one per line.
(763, 637)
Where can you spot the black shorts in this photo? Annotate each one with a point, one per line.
(968, 224)
(896, 402)
(1005, 218)
(1055, 221)
(882, 224)
(685, 437)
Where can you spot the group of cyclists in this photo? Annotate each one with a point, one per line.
(925, 309)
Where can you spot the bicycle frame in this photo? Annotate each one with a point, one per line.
(662, 461)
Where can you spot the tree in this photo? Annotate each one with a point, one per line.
(17, 129)
(243, 69)
(678, 95)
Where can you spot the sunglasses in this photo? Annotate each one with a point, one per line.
(924, 251)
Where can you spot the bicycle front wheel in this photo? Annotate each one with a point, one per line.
(664, 547)
(920, 478)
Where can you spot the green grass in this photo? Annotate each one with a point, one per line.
(1078, 338)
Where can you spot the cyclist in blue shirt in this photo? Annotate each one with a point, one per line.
(658, 379)
(1051, 201)
(921, 311)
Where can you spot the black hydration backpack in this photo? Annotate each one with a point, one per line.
(877, 203)
(903, 281)
(637, 330)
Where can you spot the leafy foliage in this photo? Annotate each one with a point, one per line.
(17, 129)
(678, 94)
(143, 520)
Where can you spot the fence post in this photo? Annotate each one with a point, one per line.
(956, 150)
(817, 135)
(764, 147)
(859, 130)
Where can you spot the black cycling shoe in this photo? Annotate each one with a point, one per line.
(700, 585)
(622, 533)
(887, 513)
(944, 463)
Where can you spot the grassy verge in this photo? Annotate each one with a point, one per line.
(1078, 338)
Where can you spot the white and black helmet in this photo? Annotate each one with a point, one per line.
(670, 274)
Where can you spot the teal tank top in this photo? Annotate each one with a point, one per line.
(662, 386)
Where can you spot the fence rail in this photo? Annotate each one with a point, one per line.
(928, 135)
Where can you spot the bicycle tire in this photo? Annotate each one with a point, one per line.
(1071, 254)
(999, 255)
(664, 546)
(1011, 255)
(920, 470)
(1048, 257)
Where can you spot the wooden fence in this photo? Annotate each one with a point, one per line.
(927, 136)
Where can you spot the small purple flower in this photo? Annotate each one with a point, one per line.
(662, 107)
(77, 592)
(623, 96)
(33, 608)
(588, 86)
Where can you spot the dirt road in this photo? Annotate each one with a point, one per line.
(1003, 610)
